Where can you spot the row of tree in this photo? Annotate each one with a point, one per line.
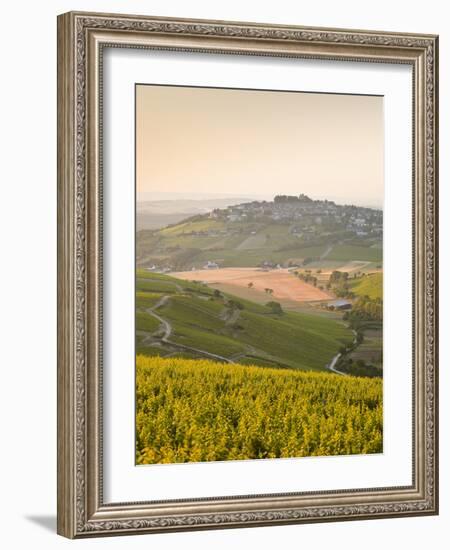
(359, 368)
(364, 309)
(307, 277)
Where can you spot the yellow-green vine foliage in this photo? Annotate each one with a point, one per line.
(198, 410)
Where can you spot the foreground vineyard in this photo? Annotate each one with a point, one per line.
(199, 410)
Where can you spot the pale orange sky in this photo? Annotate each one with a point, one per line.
(245, 142)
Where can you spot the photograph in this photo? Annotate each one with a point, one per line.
(258, 274)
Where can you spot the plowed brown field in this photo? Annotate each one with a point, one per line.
(284, 284)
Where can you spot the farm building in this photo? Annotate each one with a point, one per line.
(339, 304)
(211, 265)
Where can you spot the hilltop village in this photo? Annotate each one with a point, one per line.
(306, 214)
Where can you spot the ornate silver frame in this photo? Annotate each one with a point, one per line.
(81, 39)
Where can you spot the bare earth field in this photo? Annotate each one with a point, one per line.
(285, 286)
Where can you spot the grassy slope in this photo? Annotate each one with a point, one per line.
(200, 320)
(246, 244)
(371, 349)
(348, 252)
(192, 411)
(370, 285)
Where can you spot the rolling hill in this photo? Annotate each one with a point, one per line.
(156, 213)
(250, 234)
(191, 320)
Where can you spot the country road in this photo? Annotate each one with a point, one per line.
(331, 366)
(167, 327)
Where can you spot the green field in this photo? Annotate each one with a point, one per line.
(348, 253)
(195, 241)
(236, 329)
(187, 227)
(370, 285)
(195, 411)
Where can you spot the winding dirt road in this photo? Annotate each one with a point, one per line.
(167, 327)
(165, 324)
(332, 368)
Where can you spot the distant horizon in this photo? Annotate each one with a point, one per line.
(157, 196)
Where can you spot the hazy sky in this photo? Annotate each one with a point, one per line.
(203, 140)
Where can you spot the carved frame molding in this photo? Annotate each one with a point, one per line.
(81, 39)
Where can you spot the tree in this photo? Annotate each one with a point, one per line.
(217, 293)
(338, 276)
(275, 307)
(234, 304)
(268, 290)
(250, 285)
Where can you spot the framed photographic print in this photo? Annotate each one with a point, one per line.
(247, 286)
